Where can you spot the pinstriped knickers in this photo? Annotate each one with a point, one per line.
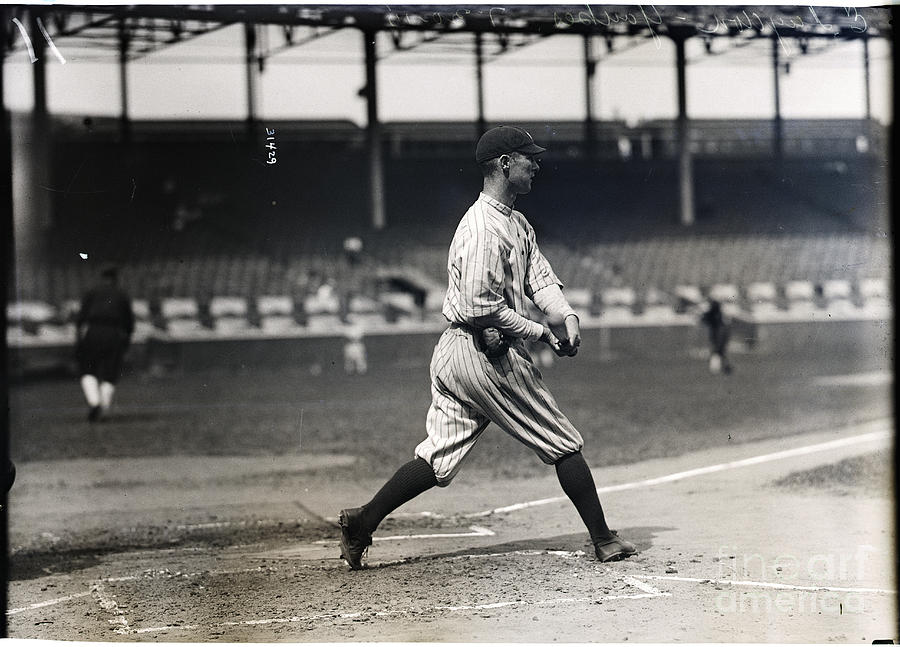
(468, 391)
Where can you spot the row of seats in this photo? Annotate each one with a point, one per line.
(283, 314)
(212, 274)
(663, 262)
(669, 262)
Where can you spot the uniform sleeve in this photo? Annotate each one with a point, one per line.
(539, 273)
(480, 284)
(551, 301)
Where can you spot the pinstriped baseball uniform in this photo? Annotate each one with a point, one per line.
(494, 265)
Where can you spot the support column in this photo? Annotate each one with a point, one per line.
(777, 131)
(124, 42)
(38, 69)
(250, 63)
(32, 160)
(685, 158)
(590, 69)
(373, 132)
(479, 83)
(865, 41)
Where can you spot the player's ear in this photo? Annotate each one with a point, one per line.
(504, 164)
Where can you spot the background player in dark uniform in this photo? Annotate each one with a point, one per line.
(719, 332)
(103, 330)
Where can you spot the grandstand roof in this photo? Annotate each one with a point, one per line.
(151, 27)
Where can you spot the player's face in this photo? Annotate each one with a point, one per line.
(522, 168)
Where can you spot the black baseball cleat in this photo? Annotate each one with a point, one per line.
(613, 548)
(355, 541)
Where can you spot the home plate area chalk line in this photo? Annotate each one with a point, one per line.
(477, 531)
(642, 590)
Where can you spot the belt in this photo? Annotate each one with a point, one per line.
(472, 330)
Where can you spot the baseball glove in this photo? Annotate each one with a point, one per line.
(492, 343)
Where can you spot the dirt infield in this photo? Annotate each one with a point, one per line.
(204, 509)
(726, 555)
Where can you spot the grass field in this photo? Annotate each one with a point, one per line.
(650, 399)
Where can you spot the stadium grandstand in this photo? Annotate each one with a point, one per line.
(782, 219)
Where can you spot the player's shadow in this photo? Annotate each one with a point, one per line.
(641, 536)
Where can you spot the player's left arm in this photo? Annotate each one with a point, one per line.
(561, 318)
(543, 286)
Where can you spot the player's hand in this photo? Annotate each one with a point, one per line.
(568, 333)
(573, 330)
(550, 339)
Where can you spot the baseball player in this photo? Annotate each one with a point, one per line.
(481, 371)
(719, 333)
(104, 327)
(355, 355)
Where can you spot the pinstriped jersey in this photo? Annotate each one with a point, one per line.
(494, 264)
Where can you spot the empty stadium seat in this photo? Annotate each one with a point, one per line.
(54, 333)
(725, 293)
(874, 288)
(658, 305)
(324, 323)
(624, 296)
(687, 296)
(836, 289)
(276, 313)
(579, 298)
(180, 308)
(228, 307)
(182, 316)
(875, 296)
(141, 309)
(797, 291)
(399, 304)
(762, 298)
(274, 305)
(617, 304)
(362, 304)
(229, 313)
(801, 299)
(30, 316)
(690, 293)
(29, 311)
(762, 292)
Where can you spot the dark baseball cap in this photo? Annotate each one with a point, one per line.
(505, 139)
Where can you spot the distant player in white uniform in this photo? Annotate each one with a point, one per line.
(355, 361)
(481, 371)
